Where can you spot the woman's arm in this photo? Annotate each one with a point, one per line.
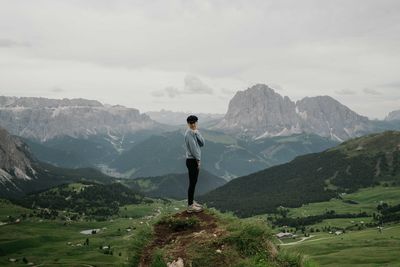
(199, 137)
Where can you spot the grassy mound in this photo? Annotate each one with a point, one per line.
(212, 238)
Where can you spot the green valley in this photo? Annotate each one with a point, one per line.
(360, 241)
(143, 234)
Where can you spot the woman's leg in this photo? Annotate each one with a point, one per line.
(193, 175)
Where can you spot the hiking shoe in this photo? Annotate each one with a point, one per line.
(197, 204)
(193, 208)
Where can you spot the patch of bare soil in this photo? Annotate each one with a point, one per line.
(178, 240)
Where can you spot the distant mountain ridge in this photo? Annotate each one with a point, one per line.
(355, 163)
(76, 133)
(21, 172)
(174, 185)
(44, 119)
(393, 116)
(39, 102)
(260, 112)
(179, 118)
(222, 155)
(256, 112)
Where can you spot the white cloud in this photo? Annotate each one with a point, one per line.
(132, 52)
(345, 92)
(172, 91)
(371, 91)
(193, 85)
(12, 43)
(226, 91)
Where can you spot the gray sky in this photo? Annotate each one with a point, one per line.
(194, 55)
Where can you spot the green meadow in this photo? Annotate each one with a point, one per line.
(50, 242)
(122, 237)
(365, 247)
(367, 199)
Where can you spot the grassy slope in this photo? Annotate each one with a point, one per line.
(34, 238)
(368, 199)
(355, 248)
(9, 209)
(354, 164)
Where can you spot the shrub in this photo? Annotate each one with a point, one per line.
(157, 260)
(250, 238)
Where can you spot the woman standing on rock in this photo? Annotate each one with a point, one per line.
(193, 141)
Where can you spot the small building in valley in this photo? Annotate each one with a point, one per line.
(284, 235)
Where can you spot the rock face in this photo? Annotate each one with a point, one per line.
(328, 117)
(393, 116)
(15, 161)
(44, 119)
(261, 112)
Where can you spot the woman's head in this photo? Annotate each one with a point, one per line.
(192, 121)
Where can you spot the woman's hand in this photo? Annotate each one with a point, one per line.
(198, 164)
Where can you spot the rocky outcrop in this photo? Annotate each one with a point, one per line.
(393, 116)
(43, 119)
(15, 160)
(261, 112)
(328, 117)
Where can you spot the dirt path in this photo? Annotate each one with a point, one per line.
(330, 237)
(296, 242)
(163, 235)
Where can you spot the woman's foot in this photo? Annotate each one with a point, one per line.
(197, 204)
(193, 208)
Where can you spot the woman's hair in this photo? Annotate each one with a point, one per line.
(192, 119)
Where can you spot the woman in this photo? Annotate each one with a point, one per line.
(193, 141)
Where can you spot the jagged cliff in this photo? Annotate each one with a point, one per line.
(260, 112)
(15, 162)
(43, 119)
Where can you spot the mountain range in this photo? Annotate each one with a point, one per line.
(393, 116)
(174, 185)
(223, 155)
(260, 129)
(259, 112)
(21, 172)
(43, 119)
(356, 163)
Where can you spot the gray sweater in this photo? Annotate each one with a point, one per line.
(193, 140)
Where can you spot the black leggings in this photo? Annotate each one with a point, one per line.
(191, 164)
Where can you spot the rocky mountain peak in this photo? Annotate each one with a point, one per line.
(260, 112)
(15, 160)
(393, 115)
(328, 117)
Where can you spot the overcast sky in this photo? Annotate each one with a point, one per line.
(194, 55)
